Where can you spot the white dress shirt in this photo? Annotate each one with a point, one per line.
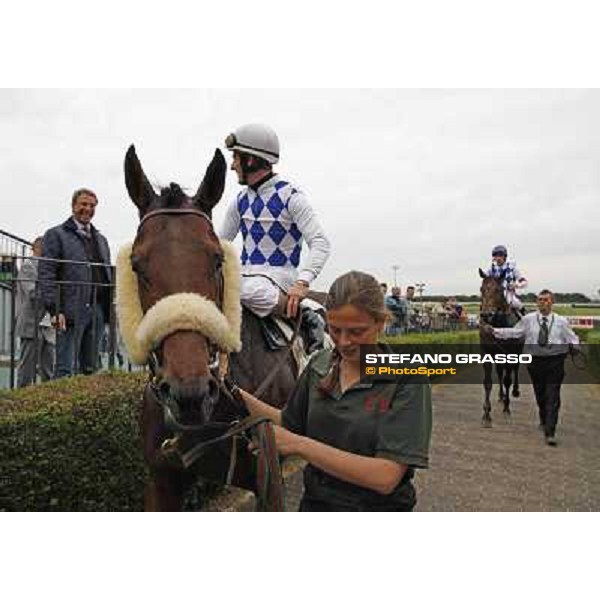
(560, 334)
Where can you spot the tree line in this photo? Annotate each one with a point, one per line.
(559, 298)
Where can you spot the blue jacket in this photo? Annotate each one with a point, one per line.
(66, 243)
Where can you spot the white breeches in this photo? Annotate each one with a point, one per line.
(513, 299)
(259, 294)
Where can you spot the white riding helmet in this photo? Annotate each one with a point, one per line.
(258, 140)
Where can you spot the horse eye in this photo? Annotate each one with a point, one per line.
(135, 263)
(219, 260)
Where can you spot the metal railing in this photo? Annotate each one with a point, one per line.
(20, 295)
(13, 250)
(427, 318)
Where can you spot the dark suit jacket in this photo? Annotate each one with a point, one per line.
(65, 242)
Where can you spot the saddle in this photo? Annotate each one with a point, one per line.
(278, 333)
(274, 336)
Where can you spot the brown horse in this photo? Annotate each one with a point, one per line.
(495, 311)
(178, 296)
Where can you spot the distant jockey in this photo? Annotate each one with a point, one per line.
(513, 280)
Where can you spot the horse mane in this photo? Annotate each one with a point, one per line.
(497, 290)
(173, 196)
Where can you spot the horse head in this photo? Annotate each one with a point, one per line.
(493, 300)
(176, 267)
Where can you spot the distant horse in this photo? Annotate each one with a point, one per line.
(495, 311)
(179, 310)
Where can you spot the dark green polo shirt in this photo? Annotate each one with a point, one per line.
(386, 419)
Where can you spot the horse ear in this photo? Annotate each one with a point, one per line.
(482, 274)
(139, 188)
(211, 189)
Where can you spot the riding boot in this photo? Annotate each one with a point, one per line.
(312, 327)
(313, 330)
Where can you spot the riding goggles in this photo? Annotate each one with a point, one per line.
(231, 141)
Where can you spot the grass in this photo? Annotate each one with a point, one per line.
(446, 337)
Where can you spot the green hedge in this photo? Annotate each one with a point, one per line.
(73, 444)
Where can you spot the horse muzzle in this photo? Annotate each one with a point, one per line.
(190, 403)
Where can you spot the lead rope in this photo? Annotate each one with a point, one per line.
(269, 479)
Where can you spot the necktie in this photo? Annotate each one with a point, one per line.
(543, 334)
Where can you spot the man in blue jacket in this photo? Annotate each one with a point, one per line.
(75, 284)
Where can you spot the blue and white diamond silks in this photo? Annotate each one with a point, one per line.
(269, 234)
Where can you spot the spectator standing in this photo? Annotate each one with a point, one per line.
(454, 312)
(411, 312)
(75, 286)
(37, 347)
(396, 305)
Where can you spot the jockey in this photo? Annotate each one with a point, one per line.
(274, 217)
(514, 281)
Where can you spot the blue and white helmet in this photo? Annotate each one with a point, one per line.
(500, 250)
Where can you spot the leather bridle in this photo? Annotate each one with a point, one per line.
(154, 357)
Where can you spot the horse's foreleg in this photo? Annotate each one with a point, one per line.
(164, 490)
(515, 390)
(501, 383)
(487, 386)
(507, 380)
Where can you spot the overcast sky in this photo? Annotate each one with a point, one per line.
(427, 180)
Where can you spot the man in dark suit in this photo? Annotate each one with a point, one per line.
(75, 284)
